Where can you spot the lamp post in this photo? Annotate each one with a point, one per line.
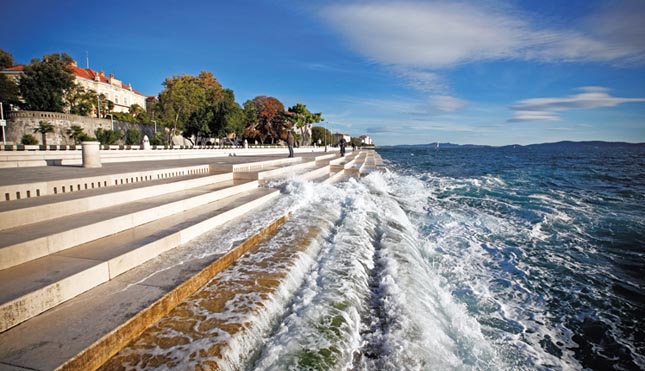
(111, 119)
(154, 122)
(2, 123)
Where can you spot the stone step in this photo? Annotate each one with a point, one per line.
(29, 289)
(13, 192)
(33, 210)
(22, 244)
(72, 334)
(246, 289)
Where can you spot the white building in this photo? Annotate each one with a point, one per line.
(366, 140)
(123, 96)
(347, 137)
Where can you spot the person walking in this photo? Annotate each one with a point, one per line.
(290, 140)
(343, 144)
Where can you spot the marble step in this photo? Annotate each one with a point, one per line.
(33, 210)
(22, 244)
(31, 288)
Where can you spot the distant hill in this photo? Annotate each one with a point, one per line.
(587, 144)
(441, 145)
(556, 145)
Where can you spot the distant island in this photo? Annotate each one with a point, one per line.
(561, 144)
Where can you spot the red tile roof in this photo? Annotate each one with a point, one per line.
(85, 73)
(90, 74)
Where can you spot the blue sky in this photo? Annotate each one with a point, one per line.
(483, 72)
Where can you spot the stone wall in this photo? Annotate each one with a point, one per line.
(24, 122)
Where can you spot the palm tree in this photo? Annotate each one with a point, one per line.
(76, 133)
(43, 128)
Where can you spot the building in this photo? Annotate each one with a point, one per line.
(347, 137)
(122, 95)
(366, 140)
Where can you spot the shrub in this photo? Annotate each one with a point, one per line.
(28, 139)
(132, 136)
(157, 139)
(107, 137)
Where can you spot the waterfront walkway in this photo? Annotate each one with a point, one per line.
(78, 277)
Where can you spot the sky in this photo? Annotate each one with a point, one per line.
(403, 72)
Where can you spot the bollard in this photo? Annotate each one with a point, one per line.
(145, 144)
(91, 154)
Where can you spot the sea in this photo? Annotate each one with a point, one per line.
(465, 258)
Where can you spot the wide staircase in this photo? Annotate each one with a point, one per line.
(65, 237)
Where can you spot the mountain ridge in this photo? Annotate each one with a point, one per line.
(559, 144)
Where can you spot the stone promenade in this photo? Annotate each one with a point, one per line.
(78, 278)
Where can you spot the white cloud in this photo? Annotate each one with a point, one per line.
(420, 80)
(440, 35)
(446, 103)
(546, 109)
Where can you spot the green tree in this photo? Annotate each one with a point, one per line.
(77, 134)
(6, 59)
(43, 128)
(319, 132)
(108, 137)
(184, 95)
(229, 117)
(139, 114)
(132, 137)
(200, 123)
(28, 139)
(250, 120)
(80, 101)
(123, 116)
(44, 83)
(300, 116)
(9, 93)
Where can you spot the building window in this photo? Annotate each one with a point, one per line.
(125, 101)
(116, 99)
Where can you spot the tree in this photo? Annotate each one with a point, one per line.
(219, 118)
(6, 59)
(267, 120)
(250, 120)
(184, 95)
(229, 117)
(200, 123)
(43, 128)
(9, 93)
(76, 133)
(80, 101)
(301, 117)
(44, 83)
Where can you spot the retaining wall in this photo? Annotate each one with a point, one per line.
(20, 123)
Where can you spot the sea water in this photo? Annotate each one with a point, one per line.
(477, 259)
(453, 259)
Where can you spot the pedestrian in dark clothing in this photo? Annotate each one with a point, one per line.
(353, 146)
(290, 140)
(343, 144)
